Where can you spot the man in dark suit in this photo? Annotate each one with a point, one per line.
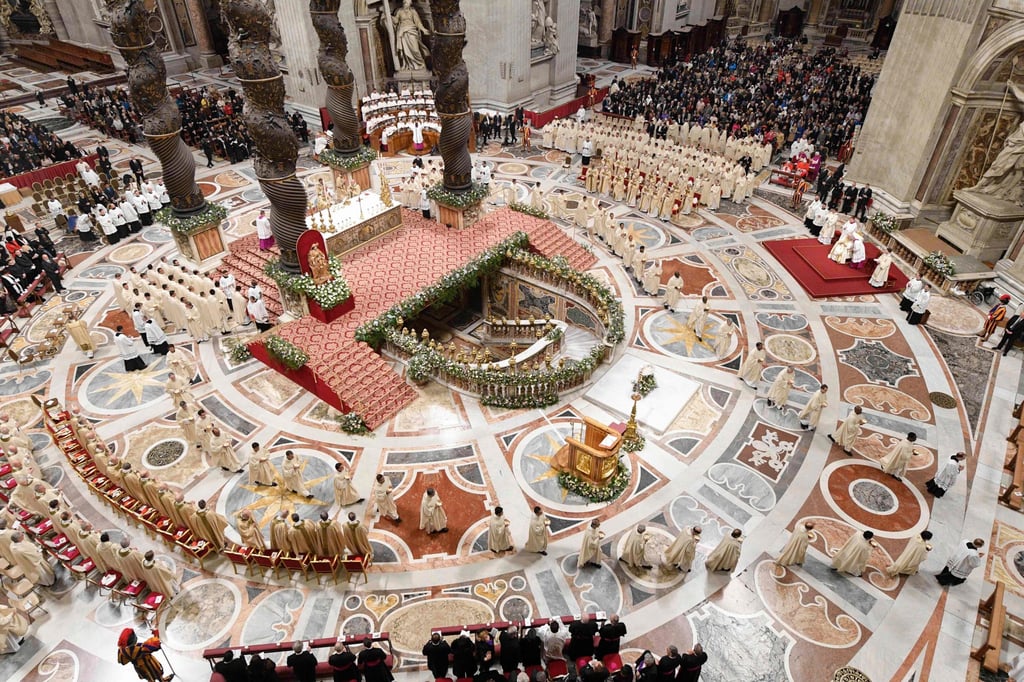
(302, 663)
(689, 666)
(611, 633)
(233, 669)
(373, 663)
(581, 637)
(863, 199)
(343, 664)
(849, 197)
(136, 167)
(436, 650)
(1013, 330)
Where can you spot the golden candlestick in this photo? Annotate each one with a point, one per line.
(631, 430)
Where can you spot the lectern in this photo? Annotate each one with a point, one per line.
(595, 458)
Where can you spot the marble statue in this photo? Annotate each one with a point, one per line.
(1005, 177)
(588, 23)
(551, 35)
(6, 9)
(39, 12)
(538, 13)
(409, 31)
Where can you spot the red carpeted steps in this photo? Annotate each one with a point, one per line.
(246, 263)
(549, 240)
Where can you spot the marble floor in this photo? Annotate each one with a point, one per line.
(715, 456)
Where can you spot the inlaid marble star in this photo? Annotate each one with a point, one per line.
(270, 501)
(676, 331)
(123, 383)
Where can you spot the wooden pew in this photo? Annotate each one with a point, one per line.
(36, 56)
(1011, 494)
(988, 652)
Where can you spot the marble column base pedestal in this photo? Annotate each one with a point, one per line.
(202, 244)
(982, 225)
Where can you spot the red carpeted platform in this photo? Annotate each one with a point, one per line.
(807, 260)
(348, 374)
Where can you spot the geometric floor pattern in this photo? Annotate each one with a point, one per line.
(722, 459)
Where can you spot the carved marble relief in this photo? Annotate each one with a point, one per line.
(982, 149)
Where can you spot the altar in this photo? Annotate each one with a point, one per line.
(353, 222)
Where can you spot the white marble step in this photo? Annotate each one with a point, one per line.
(577, 343)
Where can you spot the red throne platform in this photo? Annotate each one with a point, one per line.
(808, 262)
(348, 374)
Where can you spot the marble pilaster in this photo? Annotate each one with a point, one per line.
(501, 76)
(922, 65)
(563, 70)
(56, 19)
(299, 45)
(606, 22)
(204, 40)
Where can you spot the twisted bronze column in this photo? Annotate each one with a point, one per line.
(337, 74)
(251, 32)
(451, 94)
(161, 120)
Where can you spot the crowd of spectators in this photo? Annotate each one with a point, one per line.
(776, 90)
(210, 120)
(26, 146)
(23, 258)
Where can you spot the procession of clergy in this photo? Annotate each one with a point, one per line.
(664, 178)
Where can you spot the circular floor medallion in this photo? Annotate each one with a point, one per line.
(165, 453)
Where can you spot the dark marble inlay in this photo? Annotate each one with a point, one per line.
(970, 366)
(551, 588)
(382, 554)
(164, 453)
(226, 415)
(719, 501)
(516, 609)
(471, 472)
(874, 496)
(10, 664)
(841, 584)
(425, 456)
(683, 445)
(559, 524)
(1018, 563)
(878, 363)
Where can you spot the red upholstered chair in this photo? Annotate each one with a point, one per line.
(294, 563)
(84, 570)
(557, 668)
(149, 605)
(582, 661)
(324, 565)
(613, 662)
(238, 556)
(108, 581)
(265, 559)
(131, 590)
(354, 566)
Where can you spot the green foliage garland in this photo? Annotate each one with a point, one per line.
(334, 291)
(529, 210)
(285, 352)
(212, 213)
(352, 423)
(635, 444)
(644, 385)
(464, 199)
(595, 493)
(938, 262)
(511, 402)
(444, 290)
(336, 159)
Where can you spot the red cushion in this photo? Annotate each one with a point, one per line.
(613, 662)
(153, 601)
(110, 578)
(557, 668)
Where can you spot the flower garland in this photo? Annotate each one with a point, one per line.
(603, 297)
(886, 223)
(331, 293)
(444, 290)
(938, 262)
(285, 352)
(352, 423)
(595, 493)
(634, 444)
(211, 213)
(238, 351)
(511, 402)
(335, 159)
(529, 210)
(644, 384)
(423, 364)
(462, 199)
